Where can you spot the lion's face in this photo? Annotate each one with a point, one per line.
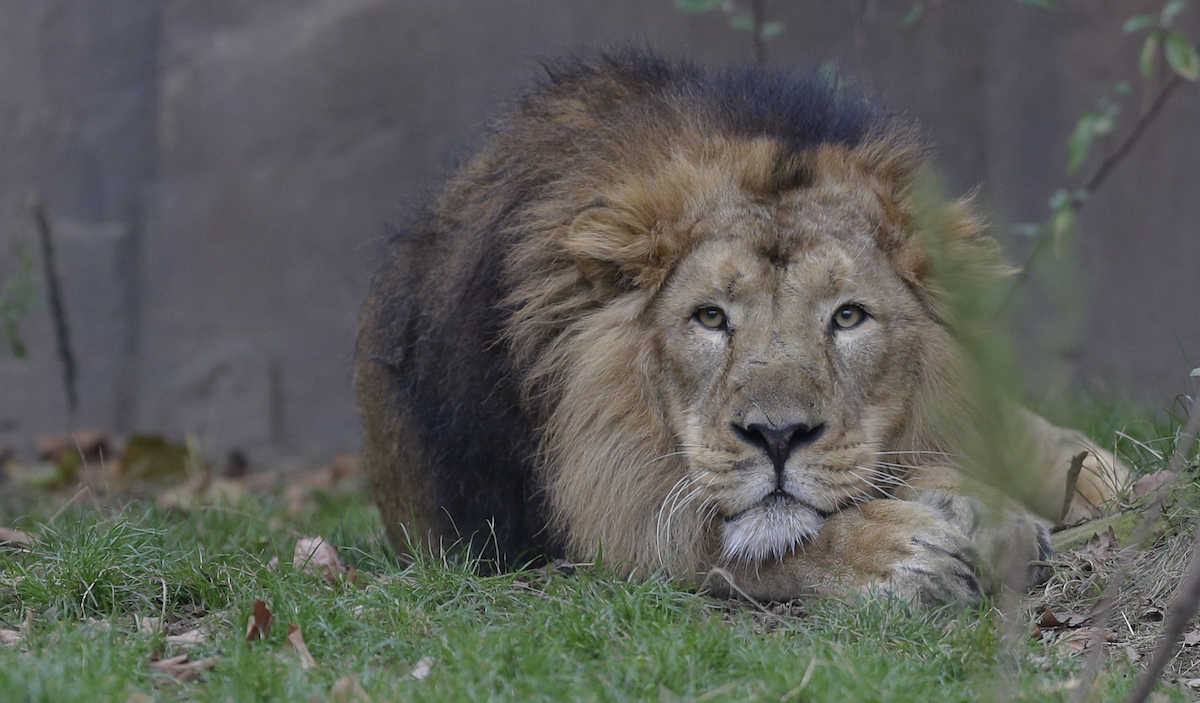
(790, 349)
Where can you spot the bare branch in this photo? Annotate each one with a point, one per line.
(758, 12)
(54, 295)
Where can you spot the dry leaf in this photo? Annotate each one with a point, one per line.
(1050, 619)
(1076, 641)
(421, 671)
(1150, 483)
(273, 565)
(348, 690)
(149, 626)
(258, 626)
(1192, 638)
(10, 637)
(297, 639)
(190, 638)
(15, 538)
(181, 668)
(316, 556)
(92, 444)
(1099, 544)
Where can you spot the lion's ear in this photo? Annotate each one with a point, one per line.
(615, 249)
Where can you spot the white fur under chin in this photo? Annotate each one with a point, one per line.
(769, 531)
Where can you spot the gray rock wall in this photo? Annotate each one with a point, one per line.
(220, 174)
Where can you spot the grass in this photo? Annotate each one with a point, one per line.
(94, 574)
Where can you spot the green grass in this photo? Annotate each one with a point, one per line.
(532, 635)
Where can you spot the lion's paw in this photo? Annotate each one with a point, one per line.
(937, 564)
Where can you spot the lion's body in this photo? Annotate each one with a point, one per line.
(538, 366)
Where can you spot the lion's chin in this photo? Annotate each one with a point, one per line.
(773, 528)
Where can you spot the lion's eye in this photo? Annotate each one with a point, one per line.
(848, 317)
(711, 317)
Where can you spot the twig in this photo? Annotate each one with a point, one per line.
(1187, 598)
(54, 294)
(1112, 160)
(1100, 175)
(758, 11)
(1072, 481)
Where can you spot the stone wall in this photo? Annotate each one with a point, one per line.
(220, 173)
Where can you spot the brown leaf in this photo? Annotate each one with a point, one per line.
(424, 665)
(1050, 619)
(149, 625)
(181, 668)
(348, 690)
(297, 639)
(1099, 544)
(10, 637)
(316, 556)
(15, 538)
(190, 638)
(1150, 483)
(1076, 641)
(258, 626)
(92, 444)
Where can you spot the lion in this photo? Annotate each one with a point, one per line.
(685, 319)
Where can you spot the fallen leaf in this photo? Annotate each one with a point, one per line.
(10, 637)
(1076, 641)
(15, 538)
(1191, 639)
(149, 626)
(258, 626)
(181, 668)
(316, 556)
(1050, 619)
(1150, 483)
(297, 639)
(421, 671)
(190, 638)
(348, 690)
(92, 444)
(273, 565)
(1099, 544)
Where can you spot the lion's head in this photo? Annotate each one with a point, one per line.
(752, 340)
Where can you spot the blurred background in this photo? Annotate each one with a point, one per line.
(217, 177)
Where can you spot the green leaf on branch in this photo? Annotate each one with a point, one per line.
(913, 15)
(1171, 10)
(1062, 226)
(1181, 55)
(1139, 22)
(1148, 60)
(770, 30)
(1080, 142)
(697, 5)
(744, 23)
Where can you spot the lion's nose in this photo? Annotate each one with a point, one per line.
(779, 442)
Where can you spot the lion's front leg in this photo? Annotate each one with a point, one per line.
(895, 547)
(939, 546)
